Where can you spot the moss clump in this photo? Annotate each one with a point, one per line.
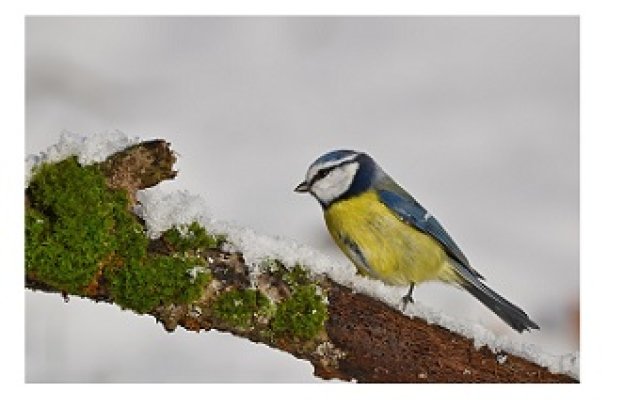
(157, 280)
(69, 226)
(191, 237)
(302, 315)
(239, 307)
(77, 229)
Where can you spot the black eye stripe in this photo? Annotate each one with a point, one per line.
(325, 171)
(319, 175)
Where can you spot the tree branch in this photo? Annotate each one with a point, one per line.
(357, 337)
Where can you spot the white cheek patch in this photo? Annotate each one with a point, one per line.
(336, 183)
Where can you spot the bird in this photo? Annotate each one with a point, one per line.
(389, 236)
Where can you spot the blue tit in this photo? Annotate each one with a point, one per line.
(389, 236)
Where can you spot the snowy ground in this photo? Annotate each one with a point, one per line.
(478, 118)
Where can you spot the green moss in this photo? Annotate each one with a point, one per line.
(239, 307)
(191, 237)
(37, 226)
(157, 280)
(302, 315)
(292, 277)
(76, 229)
(296, 276)
(69, 229)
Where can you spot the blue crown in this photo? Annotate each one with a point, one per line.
(334, 155)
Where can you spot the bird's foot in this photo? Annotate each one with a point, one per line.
(406, 299)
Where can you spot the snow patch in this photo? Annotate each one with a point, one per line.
(161, 211)
(89, 149)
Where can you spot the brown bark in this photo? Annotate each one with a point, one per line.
(363, 339)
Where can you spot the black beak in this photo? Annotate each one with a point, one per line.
(302, 188)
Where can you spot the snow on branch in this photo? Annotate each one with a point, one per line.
(94, 230)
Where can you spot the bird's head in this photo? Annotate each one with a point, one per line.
(339, 174)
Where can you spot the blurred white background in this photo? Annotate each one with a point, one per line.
(477, 117)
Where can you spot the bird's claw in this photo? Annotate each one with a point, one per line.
(406, 299)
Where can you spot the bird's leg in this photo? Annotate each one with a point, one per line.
(406, 299)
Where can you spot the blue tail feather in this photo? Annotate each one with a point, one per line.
(507, 311)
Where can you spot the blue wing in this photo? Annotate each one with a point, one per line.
(411, 212)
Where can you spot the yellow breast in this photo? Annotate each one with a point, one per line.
(380, 244)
